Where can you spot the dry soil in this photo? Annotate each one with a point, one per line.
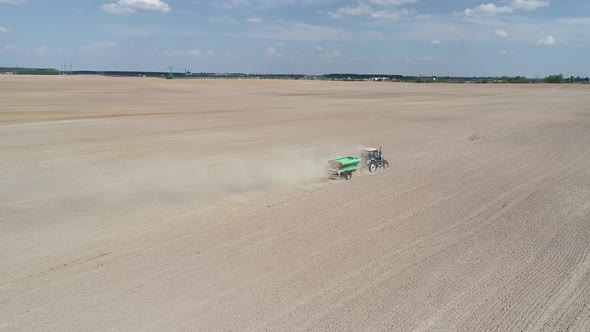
(149, 204)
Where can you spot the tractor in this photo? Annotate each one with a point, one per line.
(373, 159)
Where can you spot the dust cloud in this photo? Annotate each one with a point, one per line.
(175, 180)
(80, 187)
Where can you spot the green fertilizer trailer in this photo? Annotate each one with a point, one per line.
(343, 167)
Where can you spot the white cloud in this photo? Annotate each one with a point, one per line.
(368, 11)
(12, 2)
(530, 4)
(233, 3)
(392, 14)
(391, 2)
(132, 6)
(254, 20)
(287, 32)
(296, 31)
(270, 4)
(435, 42)
(523, 30)
(332, 55)
(582, 22)
(547, 41)
(190, 53)
(3, 29)
(505, 52)
(272, 52)
(366, 8)
(501, 33)
(358, 10)
(319, 48)
(489, 9)
(113, 8)
(10, 48)
(42, 49)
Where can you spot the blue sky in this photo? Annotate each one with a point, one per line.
(410, 37)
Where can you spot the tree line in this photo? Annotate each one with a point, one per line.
(560, 79)
(28, 71)
(555, 79)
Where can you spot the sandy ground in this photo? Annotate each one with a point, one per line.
(167, 205)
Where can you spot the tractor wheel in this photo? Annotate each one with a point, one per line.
(372, 166)
(386, 164)
(348, 175)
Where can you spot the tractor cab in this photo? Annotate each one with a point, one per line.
(371, 154)
(373, 159)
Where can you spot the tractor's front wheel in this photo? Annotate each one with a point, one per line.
(348, 175)
(372, 166)
(386, 164)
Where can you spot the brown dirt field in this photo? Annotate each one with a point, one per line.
(170, 205)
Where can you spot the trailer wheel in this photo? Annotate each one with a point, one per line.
(372, 166)
(348, 175)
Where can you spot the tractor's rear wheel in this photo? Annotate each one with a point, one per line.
(348, 175)
(372, 166)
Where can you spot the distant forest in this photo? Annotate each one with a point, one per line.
(28, 71)
(331, 77)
